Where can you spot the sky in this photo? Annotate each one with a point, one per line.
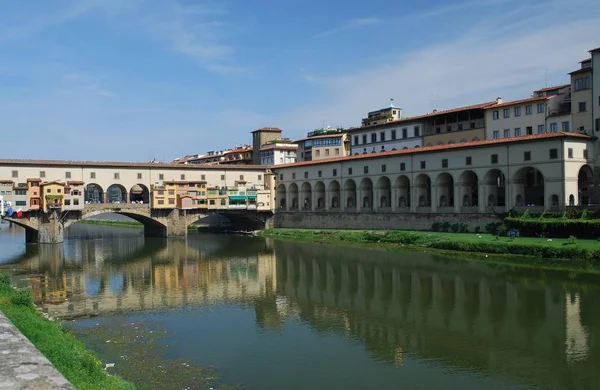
(136, 80)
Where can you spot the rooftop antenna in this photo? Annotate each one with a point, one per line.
(391, 102)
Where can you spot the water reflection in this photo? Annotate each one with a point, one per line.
(538, 329)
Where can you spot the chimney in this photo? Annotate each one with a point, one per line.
(498, 100)
(434, 110)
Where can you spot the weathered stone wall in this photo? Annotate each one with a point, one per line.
(325, 220)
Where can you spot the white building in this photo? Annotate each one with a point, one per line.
(518, 117)
(596, 87)
(278, 153)
(395, 135)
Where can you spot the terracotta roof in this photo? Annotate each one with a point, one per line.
(7, 182)
(239, 150)
(288, 146)
(183, 181)
(427, 149)
(428, 115)
(321, 136)
(33, 179)
(75, 182)
(53, 182)
(521, 101)
(115, 164)
(586, 60)
(552, 88)
(269, 129)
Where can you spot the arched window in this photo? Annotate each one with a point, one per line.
(519, 200)
(571, 200)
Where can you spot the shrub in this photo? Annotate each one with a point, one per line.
(446, 226)
(584, 214)
(572, 240)
(455, 227)
(22, 298)
(477, 229)
(436, 227)
(4, 280)
(555, 227)
(493, 227)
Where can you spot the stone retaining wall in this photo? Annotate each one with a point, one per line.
(326, 220)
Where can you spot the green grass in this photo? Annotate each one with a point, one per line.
(112, 222)
(563, 249)
(79, 365)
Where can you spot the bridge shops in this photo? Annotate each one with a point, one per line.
(538, 172)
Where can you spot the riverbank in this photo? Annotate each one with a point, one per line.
(65, 352)
(112, 222)
(587, 251)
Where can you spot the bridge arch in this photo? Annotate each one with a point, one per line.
(93, 193)
(116, 193)
(152, 227)
(139, 193)
(281, 197)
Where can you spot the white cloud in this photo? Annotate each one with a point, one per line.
(350, 25)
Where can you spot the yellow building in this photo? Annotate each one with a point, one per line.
(164, 195)
(53, 195)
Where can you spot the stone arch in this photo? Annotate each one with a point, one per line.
(320, 193)
(402, 186)
(529, 183)
(93, 193)
(294, 198)
(116, 193)
(139, 193)
(281, 196)
(384, 192)
(469, 187)
(350, 193)
(584, 179)
(495, 188)
(366, 193)
(306, 196)
(334, 194)
(571, 200)
(423, 187)
(445, 188)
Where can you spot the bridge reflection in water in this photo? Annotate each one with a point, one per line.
(486, 319)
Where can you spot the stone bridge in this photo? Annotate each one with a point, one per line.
(42, 227)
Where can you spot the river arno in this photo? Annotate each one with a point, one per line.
(225, 311)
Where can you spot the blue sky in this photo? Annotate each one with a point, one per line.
(132, 80)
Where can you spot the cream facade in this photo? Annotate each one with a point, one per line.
(581, 98)
(395, 135)
(278, 153)
(546, 171)
(517, 118)
(323, 145)
(596, 88)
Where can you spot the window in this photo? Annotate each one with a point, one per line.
(320, 174)
(527, 156)
(540, 108)
(517, 132)
(75, 202)
(553, 154)
(222, 177)
(553, 127)
(335, 172)
(349, 171)
(306, 175)
(417, 131)
(460, 126)
(318, 153)
(393, 134)
(293, 176)
(403, 166)
(438, 129)
(337, 151)
(171, 192)
(517, 111)
(48, 190)
(423, 164)
(506, 133)
(382, 136)
(161, 192)
(444, 163)
(404, 133)
(496, 134)
(373, 137)
(15, 174)
(366, 169)
(494, 159)
(171, 201)
(528, 109)
(20, 203)
(585, 153)
(67, 175)
(541, 129)
(161, 201)
(529, 130)
(67, 202)
(59, 190)
(117, 175)
(582, 107)
(364, 139)
(42, 174)
(383, 168)
(356, 140)
(506, 113)
(259, 177)
(92, 175)
(326, 152)
(582, 83)
(468, 160)
(570, 152)
(241, 177)
(161, 176)
(448, 128)
(495, 115)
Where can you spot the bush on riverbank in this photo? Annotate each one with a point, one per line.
(585, 250)
(66, 353)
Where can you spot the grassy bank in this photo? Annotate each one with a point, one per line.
(66, 353)
(560, 249)
(112, 222)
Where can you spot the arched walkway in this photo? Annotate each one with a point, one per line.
(334, 194)
(584, 179)
(306, 196)
(445, 190)
(384, 193)
(350, 193)
(402, 187)
(116, 193)
(93, 194)
(495, 188)
(529, 189)
(139, 193)
(281, 196)
(320, 194)
(469, 189)
(366, 194)
(423, 188)
(294, 196)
